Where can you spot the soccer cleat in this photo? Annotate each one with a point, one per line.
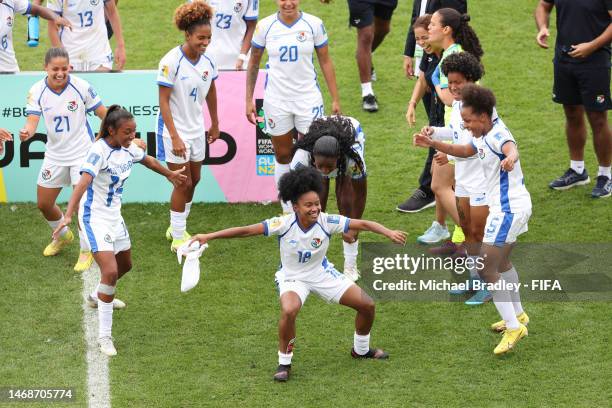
(376, 354)
(511, 337)
(282, 373)
(57, 244)
(186, 235)
(434, 234)
(480, 297)
(570, 179)
(462, 291)
(458, 235)
(84, 262)
(93, 303)
(447, 248)
(369, 103)
(419, 200)
(106, 346)
(501, 325)
(351, 272)
(176, 243)
(603, 188)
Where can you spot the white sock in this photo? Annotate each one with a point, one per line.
(105, 319)
(187, 209)
(361, 343)
(503, 303)
(511, 276)
(83, 242)
(284, 359)
(350, 253)
(577, 166)
(604, 171)
(178, 222)
(54, 225)
(366, 89)
(279, 171)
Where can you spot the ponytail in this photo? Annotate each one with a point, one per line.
(114, 116)
(463, 33)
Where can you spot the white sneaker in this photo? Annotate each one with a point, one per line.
(106, 346)
(434, 234)
(352, 272)
(93, 303)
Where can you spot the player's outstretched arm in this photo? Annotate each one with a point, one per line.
(175, 177)
(235, 232)
(457, 150)
(73, 203)
(30, 127)
(51, 16)
(398, 237)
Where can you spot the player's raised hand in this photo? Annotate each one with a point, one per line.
(201, 238)
(398, 237)
(177, 177)
(24, 135)
(542, 37)
(56, 232)
(421, 140)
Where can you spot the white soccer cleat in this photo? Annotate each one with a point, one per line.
(106, 346)
(93, 303)
(352, 272)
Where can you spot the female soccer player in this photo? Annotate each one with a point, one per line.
(303, 239)
(109, 163)
(186, 79)
(88, 43)
(232, 32)
(292, 98)
(463, 68)
(508, 199)
(8, 8)
(335, 145)
(63, 101)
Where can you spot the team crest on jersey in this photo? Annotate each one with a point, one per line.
(600, 99)
(481, 153)
(46, 174)
(9, 21)
(205, 76)
(107, 238)
(301, 36)
(316, 242)
(271, 123)
(72, 106)
(237, 7)
(94, 2)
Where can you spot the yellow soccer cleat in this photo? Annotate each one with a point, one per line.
(458, 235)
(84, 262)
(56, 245)
(511, 337)
(176, 243)
(501, 325)
(186, 235)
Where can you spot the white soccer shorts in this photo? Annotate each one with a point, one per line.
(55, 176)
(330, 286)
(195, 150)
(503, 228)
(103, 236)
(281, 117)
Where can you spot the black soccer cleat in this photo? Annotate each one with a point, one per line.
(570, 179)
(376, 354)
(603, 188)
(282, 373)
(369, 103)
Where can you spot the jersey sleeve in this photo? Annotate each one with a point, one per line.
(320, 35)
(166, 72)
(301, 158)
(32, 104)
(499, 138)
(259, 36)
(22, 6)
(336, 224)
(277, 225)
(252, 11)
(137, 153)
(94, 162)
(55, 5)
(92, 99)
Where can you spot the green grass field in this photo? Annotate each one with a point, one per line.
(216, 345)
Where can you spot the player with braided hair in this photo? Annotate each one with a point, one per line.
(335, 145)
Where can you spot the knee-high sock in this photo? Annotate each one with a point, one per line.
(279, 171)
(511, 276)
(503, 303)
(350, 253)
(105, 319)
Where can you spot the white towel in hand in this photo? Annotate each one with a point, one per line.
(191, 267)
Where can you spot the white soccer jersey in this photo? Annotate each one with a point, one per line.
(8, 8)
(190, 84)
(88, 39)
(109, 167)
(303, 251)
(506, 191)
(303, 158)
(228, 29)
(291, 74)
(69, 135)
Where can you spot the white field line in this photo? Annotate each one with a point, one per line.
(98, 385)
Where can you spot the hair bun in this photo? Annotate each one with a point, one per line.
(465, 18)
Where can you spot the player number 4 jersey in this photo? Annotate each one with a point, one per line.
(303, 250)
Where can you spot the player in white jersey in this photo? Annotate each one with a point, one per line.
(335, 145)
(8, 9)
(461, 69)
(63, 101)
(186, 80)
(509, 205)
(292, 98)
(232, 31)
(88, 43)
(98, 193)
(303, 240)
